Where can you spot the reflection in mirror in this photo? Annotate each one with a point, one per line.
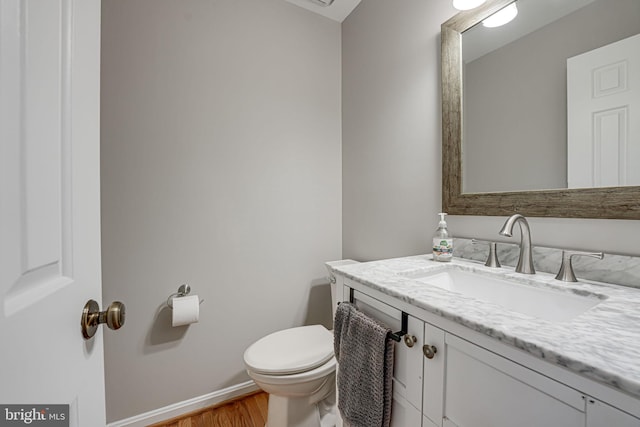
(622, 202)
(519, 94)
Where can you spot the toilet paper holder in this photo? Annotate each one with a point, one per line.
(183, 291)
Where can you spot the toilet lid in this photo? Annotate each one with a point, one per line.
(290, 351)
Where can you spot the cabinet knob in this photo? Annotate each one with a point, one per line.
(429, 351)
(410, 340)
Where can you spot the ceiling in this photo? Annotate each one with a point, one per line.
(532, 15)
(337, 10)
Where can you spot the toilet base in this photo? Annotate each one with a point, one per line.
(301, 412)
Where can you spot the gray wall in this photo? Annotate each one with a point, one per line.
(391, 126)
(391, 143)
(220, 168)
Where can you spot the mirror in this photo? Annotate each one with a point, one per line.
(486, 172)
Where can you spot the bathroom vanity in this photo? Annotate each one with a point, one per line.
(490, 347)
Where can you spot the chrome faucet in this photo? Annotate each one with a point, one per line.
(525, 262)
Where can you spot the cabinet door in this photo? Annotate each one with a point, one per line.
(602, 415)
(403, 413)
(426, 422)
(432, 404)
(483, 389)
(407, 369)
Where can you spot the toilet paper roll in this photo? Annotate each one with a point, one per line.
(186, 310)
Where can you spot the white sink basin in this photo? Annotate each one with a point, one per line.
(543, 303)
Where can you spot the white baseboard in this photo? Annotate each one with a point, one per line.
(191, 405)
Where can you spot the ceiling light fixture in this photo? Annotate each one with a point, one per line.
(467, 4)
(502, 16)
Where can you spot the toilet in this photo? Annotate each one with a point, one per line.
(297, 367)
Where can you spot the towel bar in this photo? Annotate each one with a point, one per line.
(396, 336)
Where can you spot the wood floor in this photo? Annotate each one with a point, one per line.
(247, 411)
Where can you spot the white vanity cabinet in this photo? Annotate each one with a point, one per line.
(407, 370)
(483, 389)
(433, 368)
(403, 414)
(407, 377)
(456, 378)
(602, 415)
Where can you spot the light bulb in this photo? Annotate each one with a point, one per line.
(502, 16)
(467, 4)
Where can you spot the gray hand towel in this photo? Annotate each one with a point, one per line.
(365, 356)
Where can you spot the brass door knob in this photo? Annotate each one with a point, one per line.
(429, 351)
(92, 317)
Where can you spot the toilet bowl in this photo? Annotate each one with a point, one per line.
(297, 368)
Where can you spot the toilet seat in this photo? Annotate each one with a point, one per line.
(291, 351)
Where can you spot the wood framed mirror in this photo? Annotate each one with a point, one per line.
(619, 202)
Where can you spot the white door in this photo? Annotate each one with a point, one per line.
(603, 101)
(49, 209)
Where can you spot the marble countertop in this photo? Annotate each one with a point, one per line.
(602, 343)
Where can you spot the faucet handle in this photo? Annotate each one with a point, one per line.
(566, 273)
(492, 259)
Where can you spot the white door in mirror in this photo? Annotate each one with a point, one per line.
(603, 102)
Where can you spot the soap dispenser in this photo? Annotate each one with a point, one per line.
(442, 242)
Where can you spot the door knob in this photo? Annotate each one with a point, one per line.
(92, 317)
